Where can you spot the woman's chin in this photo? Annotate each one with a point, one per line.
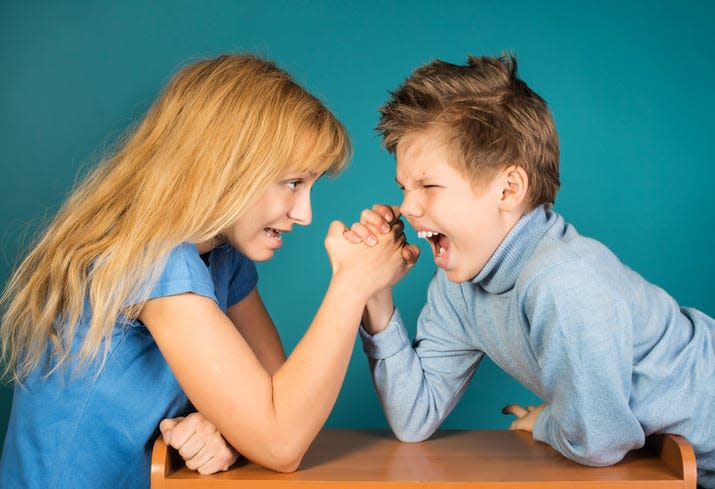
(260, 255)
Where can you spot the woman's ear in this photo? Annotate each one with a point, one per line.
(515, 185)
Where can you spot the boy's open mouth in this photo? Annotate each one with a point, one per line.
(440, 246)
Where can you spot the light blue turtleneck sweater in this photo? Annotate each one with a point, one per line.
(613, 356)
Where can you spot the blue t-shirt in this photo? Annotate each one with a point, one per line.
(83, 430)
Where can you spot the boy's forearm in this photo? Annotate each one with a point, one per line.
(378, 311)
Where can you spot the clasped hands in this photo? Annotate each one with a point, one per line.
(380, 219)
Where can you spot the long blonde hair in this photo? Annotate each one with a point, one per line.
(220, 132)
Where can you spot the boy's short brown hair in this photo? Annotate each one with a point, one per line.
(490, 118)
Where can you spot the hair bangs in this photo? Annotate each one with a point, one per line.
(322, 147)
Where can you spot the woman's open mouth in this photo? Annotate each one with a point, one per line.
(274, 236)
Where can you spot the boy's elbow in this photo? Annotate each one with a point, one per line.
(413, 434)
(411, 437)
(600, 456)
(600, 459)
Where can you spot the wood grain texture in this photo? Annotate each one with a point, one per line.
(494, 459)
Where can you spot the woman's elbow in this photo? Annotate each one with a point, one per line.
(284, 457)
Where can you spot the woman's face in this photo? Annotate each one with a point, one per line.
(284, 202)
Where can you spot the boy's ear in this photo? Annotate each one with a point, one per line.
(515, 184)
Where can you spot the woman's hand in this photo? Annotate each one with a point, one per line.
(199, 443)
(374, 267)
(525, 416)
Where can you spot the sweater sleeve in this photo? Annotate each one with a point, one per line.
(582, 337)
(419, 384)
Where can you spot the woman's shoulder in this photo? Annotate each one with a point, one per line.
(183, 271)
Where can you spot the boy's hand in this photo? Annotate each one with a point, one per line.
(199, 443)
(525, 417)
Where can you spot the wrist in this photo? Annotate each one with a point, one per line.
(378, 311)
(357, 287)
(354, 295)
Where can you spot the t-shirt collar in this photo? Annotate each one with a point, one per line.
(504, 266)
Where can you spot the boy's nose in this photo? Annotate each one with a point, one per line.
(410, 207)
(301, 211)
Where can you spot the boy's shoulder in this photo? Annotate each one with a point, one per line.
(566, 257)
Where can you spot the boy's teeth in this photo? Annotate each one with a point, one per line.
(426, 234)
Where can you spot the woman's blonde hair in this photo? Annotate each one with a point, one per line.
(221, 131)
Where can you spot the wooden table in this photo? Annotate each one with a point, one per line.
(493, 459)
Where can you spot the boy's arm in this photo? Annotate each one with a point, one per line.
(581, 334)
(419, 386)
(374, 221)
(378, 311)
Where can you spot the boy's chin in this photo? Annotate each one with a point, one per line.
(459, 274)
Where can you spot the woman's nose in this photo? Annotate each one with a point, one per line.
(301, 211)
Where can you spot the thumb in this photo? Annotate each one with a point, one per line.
(166, 426)
(336, 228)
(410, 253)
(514, 409)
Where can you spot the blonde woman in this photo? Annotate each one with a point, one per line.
(139, 303)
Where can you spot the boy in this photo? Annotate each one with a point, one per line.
(613, 357)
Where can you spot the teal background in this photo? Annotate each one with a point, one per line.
(629, 84)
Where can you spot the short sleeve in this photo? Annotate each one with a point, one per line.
(243, 279)
(184, 272)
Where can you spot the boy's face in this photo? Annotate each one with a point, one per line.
(437, 198)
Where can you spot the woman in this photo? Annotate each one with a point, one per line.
(139, 301)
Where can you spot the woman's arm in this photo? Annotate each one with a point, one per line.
(256, 326)
(198, 442)
(272, 419)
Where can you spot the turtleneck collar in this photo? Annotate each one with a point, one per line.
(500, 272)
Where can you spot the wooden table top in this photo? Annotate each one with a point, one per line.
(450, 459)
